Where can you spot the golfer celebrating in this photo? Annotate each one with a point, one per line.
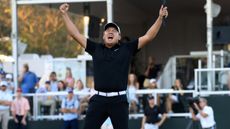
(111, 61)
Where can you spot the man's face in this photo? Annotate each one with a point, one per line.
(153, 85)
(47, 86)
(111, 36)
(24, 69)
(53, 77)
(2, 76)
(3, 88)
(70, 95)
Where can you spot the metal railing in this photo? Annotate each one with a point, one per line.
(214, 79)
(35, 96)
(36, 116)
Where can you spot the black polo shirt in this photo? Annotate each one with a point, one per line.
(111, 65)
(152, 114)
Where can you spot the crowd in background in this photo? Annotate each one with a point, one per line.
(72, 107)
(50, 105)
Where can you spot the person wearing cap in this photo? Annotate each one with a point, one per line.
(20, 108)
(5, 103)
(111, 61)
(10, 83)
(151, 119)
(69, 108)
(205, 114)
(2, 75)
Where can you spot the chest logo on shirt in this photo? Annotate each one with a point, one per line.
(116, 49)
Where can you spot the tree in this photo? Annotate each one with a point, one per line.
(42, 29)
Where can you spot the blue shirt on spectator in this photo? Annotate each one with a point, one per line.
(70, 104)
(54, 86)
(28, 82)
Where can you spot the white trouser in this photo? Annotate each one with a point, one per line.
(151, 126)
(4, 118)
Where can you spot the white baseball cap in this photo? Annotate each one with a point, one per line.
(153, 80)
(3, 83)
(114, 25)
(9, 76)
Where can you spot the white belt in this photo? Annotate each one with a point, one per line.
(110, 94)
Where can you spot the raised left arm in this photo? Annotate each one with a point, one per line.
(152, 32)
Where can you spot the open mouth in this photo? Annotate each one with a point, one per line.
(110, 38)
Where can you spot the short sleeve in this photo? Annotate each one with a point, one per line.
(207, 110)
(90, 47)
(133, 46)
(27, 106)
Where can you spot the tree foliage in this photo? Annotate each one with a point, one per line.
(42, 29)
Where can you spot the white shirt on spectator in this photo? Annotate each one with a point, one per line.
(84, 90)
(5, 96)
(207, 122)
(132, 93)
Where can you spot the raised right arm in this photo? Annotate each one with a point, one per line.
(71, 28)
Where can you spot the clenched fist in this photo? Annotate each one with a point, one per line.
(163, 12)
(64, 8)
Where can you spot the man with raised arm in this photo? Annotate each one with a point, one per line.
(111, 61)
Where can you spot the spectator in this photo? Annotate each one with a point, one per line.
(174, 102)
(205, 114)
(10, 83)
(69, 80)
(152, 69)
(133, 85)
(61, 86)
(70, 108)
(84, 99)
(53, 82)
(20, 107)
(2, 75)
(79, 86)
(5, 102)
(152, 84)
(28, 80)
(46, 100)
(151, 119)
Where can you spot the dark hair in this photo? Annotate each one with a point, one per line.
(47, 82)
(150, 97)
(26, 66)
(63, 83)
(53, 73)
